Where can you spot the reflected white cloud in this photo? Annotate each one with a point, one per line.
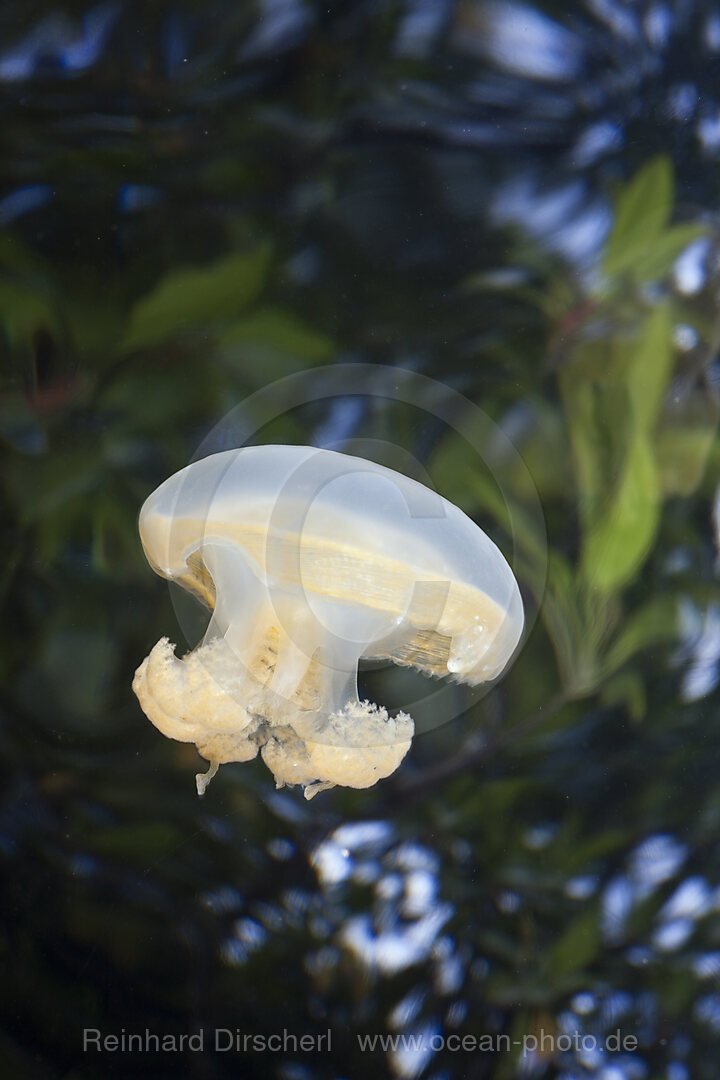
(690, 270)
(691, 900)
(699, 649)
(398, 947)
(560, 218)
(527, 42)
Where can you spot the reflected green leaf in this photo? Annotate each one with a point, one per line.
(41, 487)
(642, 211)
(664, 250)
(648, 363)
(612, 409)
(627, 690)
(597, 412)
(652, 624)
(186, 300)
(24, 309)
(617, 545)
(576, 948)
(682, 457)
(578, 622)
(281, 332)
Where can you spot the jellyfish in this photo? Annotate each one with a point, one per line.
(311, 561)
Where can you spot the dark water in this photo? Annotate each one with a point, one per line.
(517, 203)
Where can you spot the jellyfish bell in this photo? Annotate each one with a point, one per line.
(310, 561)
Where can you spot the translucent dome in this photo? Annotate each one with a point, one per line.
(311, 560)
